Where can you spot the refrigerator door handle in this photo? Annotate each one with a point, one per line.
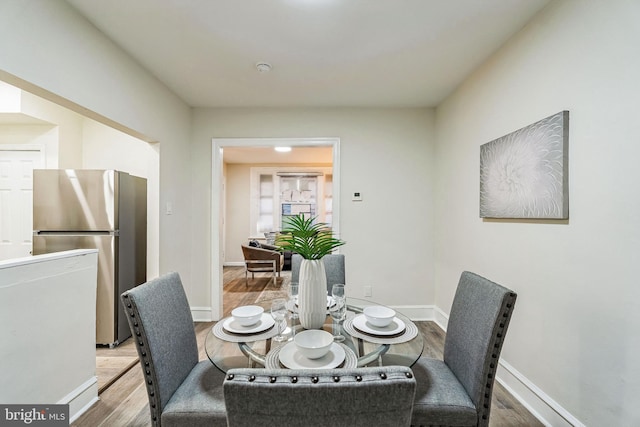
(76, 233)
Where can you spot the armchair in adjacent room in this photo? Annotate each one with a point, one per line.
(262, 259)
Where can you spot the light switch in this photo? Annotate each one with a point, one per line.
(169, 209)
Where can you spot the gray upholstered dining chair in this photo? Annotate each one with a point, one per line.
(333, 266)
(366, 397)
(457, 391)
(181, 390)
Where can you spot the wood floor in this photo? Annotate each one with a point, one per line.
(111, 364)
(124, 402)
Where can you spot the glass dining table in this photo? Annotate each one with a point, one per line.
(399, 344)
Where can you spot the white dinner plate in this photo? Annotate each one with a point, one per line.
(394, 328)
(266, 322)
(292, 359)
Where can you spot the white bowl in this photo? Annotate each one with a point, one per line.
(247, 315)
(314, 343)
(378, 315)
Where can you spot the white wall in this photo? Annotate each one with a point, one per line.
(10, 98)
(42, 136)
(43, 335)
(575, 327)
(67, 149)
(386, 155)
(70, 62)
(237, 213)
(59, 133)
(107, 148)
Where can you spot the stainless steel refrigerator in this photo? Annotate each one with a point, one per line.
(101, 209)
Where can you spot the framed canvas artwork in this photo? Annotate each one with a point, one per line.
(525, 174)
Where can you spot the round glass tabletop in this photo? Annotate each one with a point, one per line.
(228, 350)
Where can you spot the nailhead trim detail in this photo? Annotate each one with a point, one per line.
(497, 346)
(153, 403)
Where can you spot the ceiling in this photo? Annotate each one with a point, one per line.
(324, 53)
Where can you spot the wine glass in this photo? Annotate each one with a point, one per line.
(293, 297)
(337, 290)
(338, 310)
(278, 312)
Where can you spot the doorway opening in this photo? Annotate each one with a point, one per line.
(220, 190)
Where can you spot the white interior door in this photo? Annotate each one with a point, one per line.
(16, 201)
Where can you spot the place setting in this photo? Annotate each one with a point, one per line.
(380, 325)
(248, 323)
(311, 349)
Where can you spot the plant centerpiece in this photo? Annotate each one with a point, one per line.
(311, 241)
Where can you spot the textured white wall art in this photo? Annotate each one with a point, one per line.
(525, 174)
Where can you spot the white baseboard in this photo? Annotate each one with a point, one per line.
(233, 264)
(81, 399)
(441, 318)
(202, 314)
(416, 312)
(543, 407)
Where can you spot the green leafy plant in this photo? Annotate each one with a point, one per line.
(309, 240)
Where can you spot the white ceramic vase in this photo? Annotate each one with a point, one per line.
(312, 294)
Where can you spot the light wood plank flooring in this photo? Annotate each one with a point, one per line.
(124, 403)
(111, 364)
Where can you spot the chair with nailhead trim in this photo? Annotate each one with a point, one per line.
(358, 397)
(182, 391)
(457, 391)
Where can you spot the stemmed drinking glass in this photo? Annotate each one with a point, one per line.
(292, 305)
(338, 310)
(279, 312)
(293, 297)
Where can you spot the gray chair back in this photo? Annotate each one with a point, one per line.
(333, 266)
(160, 320)
(380, 396)
(477, 326)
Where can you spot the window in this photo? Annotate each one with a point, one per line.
(280, 192)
